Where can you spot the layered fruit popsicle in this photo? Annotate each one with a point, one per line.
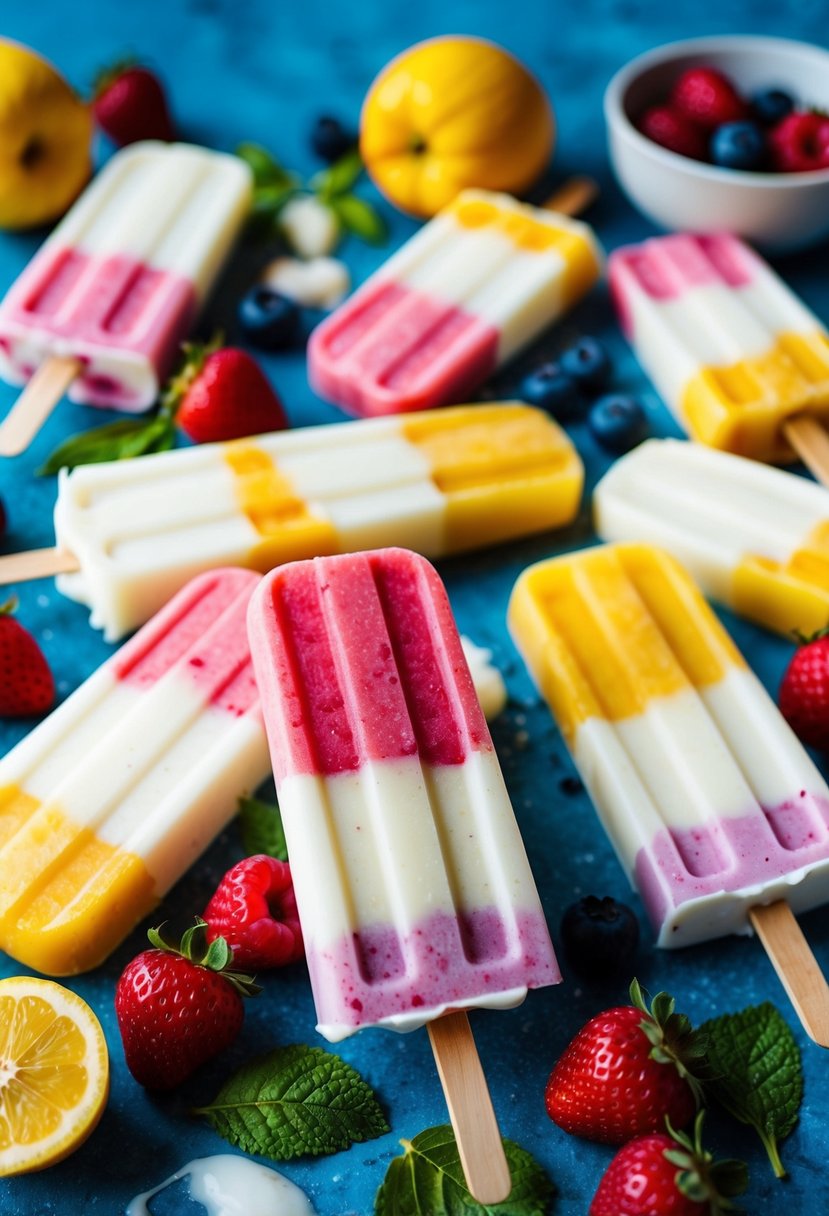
(437, 482)
(755, 538)
(462, 296)
(412, 882)
(109, 799)
(120, 281)
(709, 800)
(731, 349)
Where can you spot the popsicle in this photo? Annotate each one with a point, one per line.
(102, 307)
(459, 299)
(109, 799)
(413, 887)
(131, 533)
(715, 810)
(737, 357)
(755, 538)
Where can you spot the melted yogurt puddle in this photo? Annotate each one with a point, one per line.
(228, 1185)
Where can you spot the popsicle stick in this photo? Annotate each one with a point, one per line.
(573, 197)
(37, 563)
(470, 1108)
(36, 402)
(796, 966)
(811, 442)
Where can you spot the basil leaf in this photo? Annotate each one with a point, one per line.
(115, 441)
(265, 169)
(340, 177)
(360, 217)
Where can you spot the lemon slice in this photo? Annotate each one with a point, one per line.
(54, 1073)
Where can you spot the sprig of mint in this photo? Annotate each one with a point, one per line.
(261, 827)
(428, 1181)
(755, 1073)
(295, 1101)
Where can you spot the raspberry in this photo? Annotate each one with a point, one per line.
(800, 143)
(668, 127)
(707, 98)
(254, 910)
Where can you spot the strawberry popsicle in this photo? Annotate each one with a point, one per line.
(109, 800)
(412, 883)
(464, 294)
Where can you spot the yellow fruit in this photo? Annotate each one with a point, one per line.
(45, 137)
(54, 1073)
(450, 113)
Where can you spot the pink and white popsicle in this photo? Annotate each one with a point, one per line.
(412, 882)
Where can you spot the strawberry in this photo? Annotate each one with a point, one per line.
(669, 127)
(178, 1006)
(708, 98)
(668, 1175)
(625, 1071)
(222, 393)
(799, 143)
(804, 690)
(129, 104)
(26, 683)
(254, 910)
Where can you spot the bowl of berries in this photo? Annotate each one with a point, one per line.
(726, 133)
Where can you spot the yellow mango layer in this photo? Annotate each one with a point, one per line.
(787, 596)
(606, 630)
(67, 899)
(742, 408)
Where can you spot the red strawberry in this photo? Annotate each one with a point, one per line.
(129, 104)
(708, 98)
(800, 143)
(178, 1006)
(254, 910)
(625, 1071)
(223, 394)
(26, 683)
(804, 690)
(674, 131)
(668, 1175)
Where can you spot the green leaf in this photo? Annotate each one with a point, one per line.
(116, 441)
(428, 1181)
(360, 217)
(339, 178)
(756, 1074)
(261, 827)
(294, 1101)
(265, 169)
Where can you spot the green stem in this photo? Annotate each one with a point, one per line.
(770, 1143)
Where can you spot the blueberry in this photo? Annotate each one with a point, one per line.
(268, 320)
(738, 145)
(600, 939)
(330, 139)
(617, 422)
(770, 105)
(587, 362)
(550, 387)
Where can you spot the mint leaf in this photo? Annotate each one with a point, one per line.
(756, 1075)
(428, 1181)
(116, 441)
(293, 1101)
(340, 177)
(261, 827)
(265, 169)
(359, 217)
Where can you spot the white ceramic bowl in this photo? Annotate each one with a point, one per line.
(778, 211)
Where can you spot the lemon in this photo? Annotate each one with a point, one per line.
(54, 1073)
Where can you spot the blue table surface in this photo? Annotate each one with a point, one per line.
(261, 71)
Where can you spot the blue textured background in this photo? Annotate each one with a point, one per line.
(262, 71)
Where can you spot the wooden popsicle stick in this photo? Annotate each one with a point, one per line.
(811, 442)
(36, 402)
(37, 563)
(796, 966)
(573, 197)
(470, 1108)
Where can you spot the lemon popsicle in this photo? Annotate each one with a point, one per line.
(708, 798)
(439, 483)
(463, 295)
(109, 799)
(755, 538)
(412, 883)
(120, 281)
(731, 349)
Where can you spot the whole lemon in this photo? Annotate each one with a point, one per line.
(450, 113)
(45, 137)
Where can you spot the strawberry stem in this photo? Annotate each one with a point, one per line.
(10, 606)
